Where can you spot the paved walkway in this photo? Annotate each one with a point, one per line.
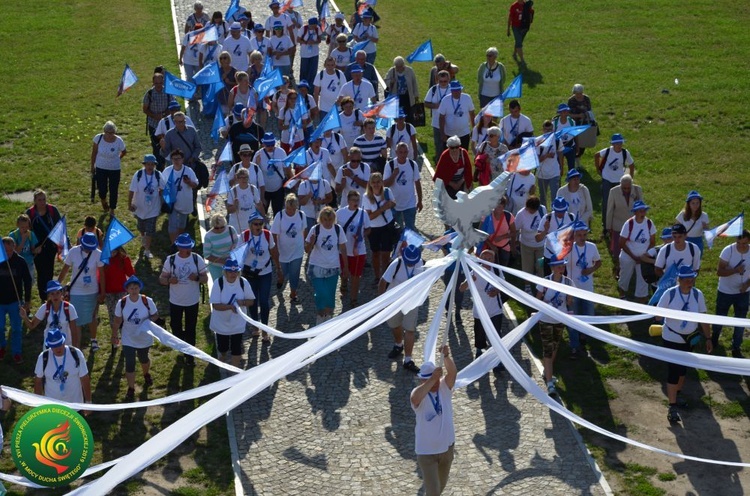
(344, 425)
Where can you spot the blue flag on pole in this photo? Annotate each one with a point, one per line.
(330, 122)
(204, 35)
(732, 228)
(208, 75)
(357, 47)
(220, 187)
(169, 195)
(423, 53)
(218, 123)
(494, 108)
(177, 87)
(298, 156)
(226, 154)
(267, 66)
(265, 85)
(59, 236)
(127, 80)
(523, 158)
(239, 253)
(668, 280)
(117, 235)
(514, 89)
(234, 6)
(568, 133)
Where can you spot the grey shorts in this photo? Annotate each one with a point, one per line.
(408, 321)
(177, 221)
(146, 226)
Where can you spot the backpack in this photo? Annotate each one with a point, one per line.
(606, 154)
(648, 270)
(220, 282)
(668, 247)
(124, 300)
(266, 233)
(527, 16)
(139, 175)
(631, 223)
(392, 163)
(66, 310)
(316, 229)
(195, 261)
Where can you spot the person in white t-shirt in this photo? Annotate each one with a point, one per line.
(87, 284)
(228, 293)
(351, 120)
(432, 101)
(359, 89)
(356, 224)
(550, 165)
(456, 115)
(638, 234)
(130, 312)
(326, 248)
(694, 219)
(402, 176)
(183, 181)
(281, 49)
(243, 201)
(309, 40)
(678, 252)
(583, 261)
(316, 152)
(521, 185)
(734, 283)
(402, 132)
(106, 164)
(353, 175)
(682, 335)
(528, 221)
(314, 193)
(189, 54)
(61, 372)
(289, 229)
(261, 255)
(434, 433)
(515, 126)
(341, 53)
(327, 84)
(184, 272)
(403, 325)
(238, 46)
(610, 162)
(366, 31)
(55, 313)
(259, 42)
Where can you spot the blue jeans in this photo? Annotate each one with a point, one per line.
(407, 218)
(262, 288)
(291, 271)
(698, 241)
(740, 303)
(570, 157)
(581, 307)
(16, 331)
(551, 185)
(307, 69)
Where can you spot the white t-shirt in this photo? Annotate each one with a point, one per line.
(518, 189)
(355, 230)
(360, 31)
(186, 292)
(493, 304)
(456, 114)
(108, 154)
(239, 49)
(260, 45)
(434, 432)
(287, 117)
(581, 258)
(227, 322)
(290, 231)
(258, 252)
(528, 225)
(330, 85)
(248, 200)
(383, 218)
(309, 33)
(361, 94)
(146, 193)
(639, 236)
(280, 44)
(613, 169)
(134, 313)
(335, 144)
(550, 166)
(325, 254)
(511, 127)
(491, 81)
(324, 157)
(190, 57)
(88, 282)
(690, 255)
(184, 202)
(402, 135)
(210, 53)
(350, 130)
(403, 189)
(435, 95)
(694, 228)
(554, 298)
(72, 390)
(57, 319)
(255, 177)
(319, 190)
(731, 284)
(674, 329)
(342, 58)
(274, 175)
(362, 172)
(398, 272)
(284, 18)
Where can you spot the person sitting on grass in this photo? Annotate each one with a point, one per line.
(131, 311)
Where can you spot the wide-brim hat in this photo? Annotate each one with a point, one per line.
(55, 338)
(666, 233)
(133, 280)
(685, 272)
(563, 107)
(268, 139)
(231, 265)
(149, 159)
(639, 205)
(554, 262)
(184, 241)
(89, 241)
(559, 204)
(617, 138)
(573, 173)
(456, 85)
(426, 370)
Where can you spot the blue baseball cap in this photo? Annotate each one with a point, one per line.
(666, 233)
(259, 27)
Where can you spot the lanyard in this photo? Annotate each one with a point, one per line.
(60, 369)
(685, 307)
(513, 127)
(456, 107)
(356, 93)
(436, 403)
(409, 276)
(256, 244)
(148, 188)
(56, 315)
(314, 189)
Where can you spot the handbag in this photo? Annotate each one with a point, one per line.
(201, 172)
(418, 115)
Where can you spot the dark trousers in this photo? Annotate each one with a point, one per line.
(261, 286)
(275, 199)
(108, 181)
(480, 333)
(184, 330)
(156, 149)
(45, 268)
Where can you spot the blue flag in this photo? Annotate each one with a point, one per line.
(127, 80)
(226, 154)
(218, 123)
(176, 86)
(267, 66)
(234, 6)
(357, 47)
(220, 187)
(117, 235)
(169, 195)
(514, 88)
(330, 122)
(209, 74)
(568, 133)
(423, 53)
(211, 91)
(3, 255)
(383, 123)
(265, 85)
(298, 156)
(239, 253)
(59, 236)
(494, 108)
(668, 280)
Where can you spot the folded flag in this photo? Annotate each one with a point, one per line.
(220, 187)
(668, 280)
(217, 124)
(234, 6)
(203, 35)
(323, 15)
(117, 236)
(127, 80)
(177, 87)
(732, 228)
(523, 158)
(514, 88)
(423, 53)
(357, 47)
(169, 195)
(297, 157)
(59, 236)
(314, 172)
(437, 243)
(494, 108)
(267, 66)
(226, 154)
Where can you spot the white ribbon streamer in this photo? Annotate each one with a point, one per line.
(430, 343)
(178, 344)
(19, 480)
(533, 388)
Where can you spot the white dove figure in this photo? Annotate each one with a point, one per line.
(467, 209)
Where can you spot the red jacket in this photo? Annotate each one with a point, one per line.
(446, 168)
(117, 272)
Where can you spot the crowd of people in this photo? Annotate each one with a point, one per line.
(362, 189)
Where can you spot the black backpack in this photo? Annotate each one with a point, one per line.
(527, 16)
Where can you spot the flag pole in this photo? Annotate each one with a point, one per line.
(12, 279)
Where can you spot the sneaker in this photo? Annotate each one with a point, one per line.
(551, 389)
(190, 360)
(411, 366)
(130, 395)
(681, 401)
(147, 380)
(573, 354)
(94, 345)
(147, 254)
(17, 358)
(737, 353)
(395, 352)
(2, 353)
(673, 416)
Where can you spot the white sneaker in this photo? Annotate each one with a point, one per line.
(147, 254)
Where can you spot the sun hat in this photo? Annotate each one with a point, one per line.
(666, 233)
(554, 262)
(278, 25)
(694, 195)
(617, 138)
(184, 241)
(133, 280)
(254, 216)
(411, 255)
(563, 107)
(259, 27)
(456, 85)
(559, 204)
(579, 225)
(639, 205)
(401, 113)
(356, 69)
(273, 2)
(367, 14)
(231, 265)
(149, 159)
(89, 241)
(572, 173)
(339, 15)
(685, 272)
(174, 104)
(303, 84)
(55, 338)
(313, 21)
(268, 139)
(426, 370)
(235, 26)
(237, 110)
(245, 148)
(53, 285)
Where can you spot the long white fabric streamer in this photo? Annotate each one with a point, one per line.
(430, 343)
(533, 388)
(178, 344)
(727, 365)
(23, 481)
